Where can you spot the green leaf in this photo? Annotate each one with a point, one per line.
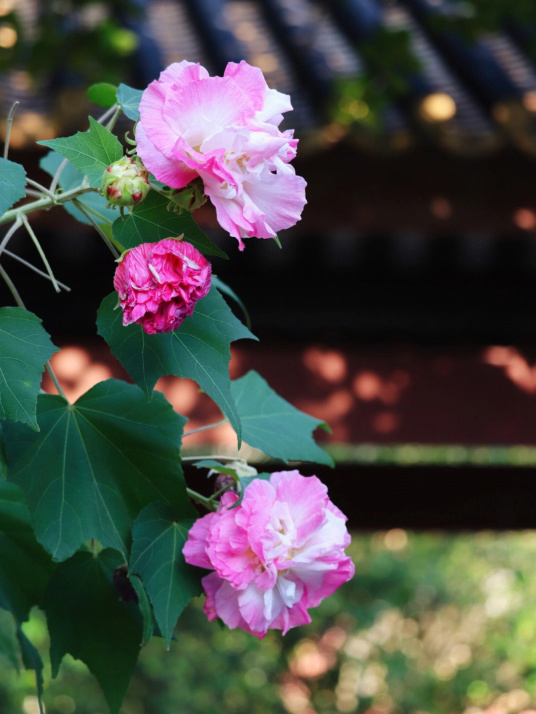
(31, 659)
(71, 178)
(12, 642)
(198, 349)
(25, 567)
(9, 647)
(129, 99)
(12, 184)
(274, 426)
(145, 608)
(103, 94)
(87, 619)
(150, 221)
(226, 290)
(158, 537)
(26, 347)
(91, 152)
(216, 466)
(95, 464)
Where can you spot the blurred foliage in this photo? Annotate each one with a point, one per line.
(90, 40)
(471, 18)
(413, 454)
(389, 64)
(430, 623)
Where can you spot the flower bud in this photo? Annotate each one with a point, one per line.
(125, 182)
(190, 197)
(160, 283)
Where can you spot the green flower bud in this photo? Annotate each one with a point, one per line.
(125, 182)
(190, 197)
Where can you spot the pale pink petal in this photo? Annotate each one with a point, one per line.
(269, 103)
(222, 602)
(250, 80)
(194, 550)
(278, 198)
(251, 603)
(198, 109)
(295, 616)
(169, 171)
(306, 497)
(183, 72)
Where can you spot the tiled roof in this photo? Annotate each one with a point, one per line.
(385, 73)
(467, 95)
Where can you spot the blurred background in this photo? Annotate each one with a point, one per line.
(400, 310)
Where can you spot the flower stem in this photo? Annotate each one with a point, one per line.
(114, 118)
(202, 500)
(56, 178)
(40, 188)
(205, 428)
(32, 235)
(45, 203)
(32, 267)
(12, 289)
(8, 127)
(11, 231)
(110, 243)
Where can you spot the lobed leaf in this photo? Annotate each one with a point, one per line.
(25, 567)
(72, 178)
(229, 292)
(12, 184)
(150, 221)
(145, 608)
(92, 623)
(95, 464)
(26, 346)
(199, 349)
(129, 100)
(91, 152)
(158, 537)
(274, 426)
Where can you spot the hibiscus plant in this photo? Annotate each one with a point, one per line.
(97, 525)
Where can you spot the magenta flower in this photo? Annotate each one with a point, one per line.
(225, 130)
(278, 553)
(160, 283)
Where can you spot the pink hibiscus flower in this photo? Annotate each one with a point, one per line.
(225, 130)
(160, 283)
(276, 554)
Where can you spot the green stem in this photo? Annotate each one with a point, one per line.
(202, 500)
(56, 178)
(12, 289)
(53, 377)
(95, 213)
(8, 127)
(40, 188)
(110, 243)
(10, 232)
(114, 118)
(32, 235)
(20, 303)
(205, 428)
(45, 203)
(32, 267)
